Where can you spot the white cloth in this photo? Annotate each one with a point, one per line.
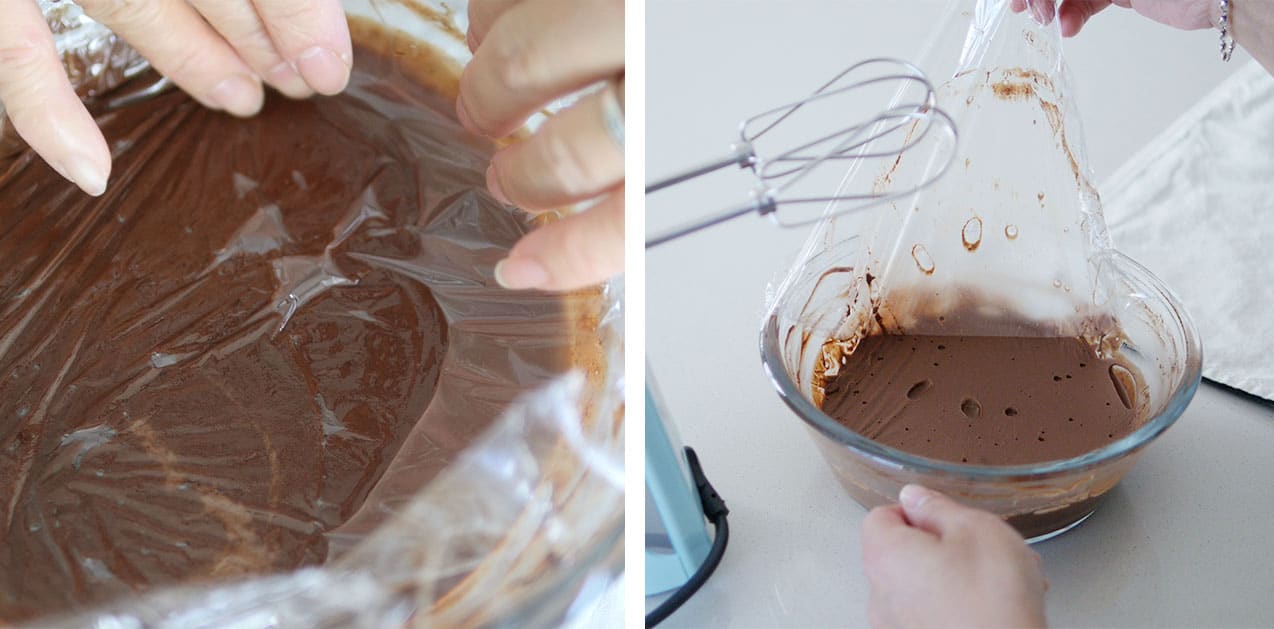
(1196, 207)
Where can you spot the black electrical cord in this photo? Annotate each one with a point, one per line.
(715, 510)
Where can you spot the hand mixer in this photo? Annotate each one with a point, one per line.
(875, 137)
(680, 555)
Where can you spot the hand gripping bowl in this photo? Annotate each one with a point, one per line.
(1041, 500)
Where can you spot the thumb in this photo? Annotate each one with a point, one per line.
(577, 251)
(1076, 13)
(934, 512)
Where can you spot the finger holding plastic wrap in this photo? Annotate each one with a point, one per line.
(501, 520)
(527, 54)
(218, 52)
(41, 104)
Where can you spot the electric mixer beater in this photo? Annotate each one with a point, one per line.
(910, 120)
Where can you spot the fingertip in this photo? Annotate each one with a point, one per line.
(325, 70)
(314, 38)
(85, 173)
(239, 95)
(928, 510)
(87, 165)
(1074, 15)
(1071, 25)
(581, 250)
(913, 497)
(521, 273)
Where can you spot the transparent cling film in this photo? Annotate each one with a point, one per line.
(1008, 248)
(311, 404)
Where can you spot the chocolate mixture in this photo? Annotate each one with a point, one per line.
(983, 400)
(208, 368)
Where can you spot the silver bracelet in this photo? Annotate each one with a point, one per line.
(1223, 23)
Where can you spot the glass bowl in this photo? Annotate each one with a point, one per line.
(1040, 500)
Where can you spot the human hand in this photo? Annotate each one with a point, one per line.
(1184, 14)
(528, 53)
(218, 51)
(933, 562)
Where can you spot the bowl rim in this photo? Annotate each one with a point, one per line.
(773, 363)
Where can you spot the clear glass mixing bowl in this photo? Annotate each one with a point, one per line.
(1041, 500)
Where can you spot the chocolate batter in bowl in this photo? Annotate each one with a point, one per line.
(265, 336)
(827, 315)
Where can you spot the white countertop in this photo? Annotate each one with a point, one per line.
(1183, 541)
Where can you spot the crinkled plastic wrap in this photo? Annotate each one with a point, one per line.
(96, 60)
(507, 535)
(1009, 242)
(1016, 224)
(368, 320)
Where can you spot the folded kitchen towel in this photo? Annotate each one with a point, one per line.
(1196, 207)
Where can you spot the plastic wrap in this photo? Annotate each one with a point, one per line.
(1009, 243)
(369, 319)
(505, 535)
(1016, 225)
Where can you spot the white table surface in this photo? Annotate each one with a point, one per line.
(1183, 541)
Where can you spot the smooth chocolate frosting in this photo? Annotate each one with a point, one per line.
(983, 400)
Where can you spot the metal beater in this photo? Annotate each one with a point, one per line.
(856, 144)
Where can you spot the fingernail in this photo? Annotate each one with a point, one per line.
(520, 273)
(238, 95)
(324, 70)
(493, 184)
(914, 496)
(285, 79)
(85, 174)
